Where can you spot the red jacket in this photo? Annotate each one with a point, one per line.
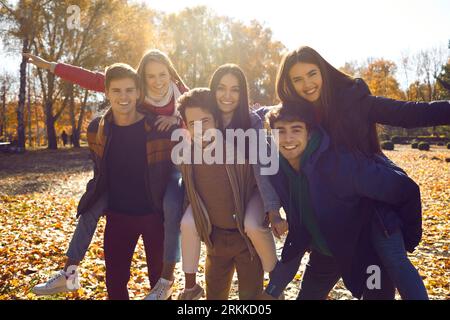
(96, 81)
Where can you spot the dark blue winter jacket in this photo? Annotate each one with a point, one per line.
(340, 184)
(359, 110)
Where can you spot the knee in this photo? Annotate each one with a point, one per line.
(252, 226)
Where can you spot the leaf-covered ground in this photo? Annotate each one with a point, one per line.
(38, 196)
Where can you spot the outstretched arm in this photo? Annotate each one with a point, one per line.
(407, 114)
(87, 79)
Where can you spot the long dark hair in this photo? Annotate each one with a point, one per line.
(241, 117)
(342, 130)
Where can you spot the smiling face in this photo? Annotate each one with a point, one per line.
(306, 80)
(292, 140)
(157, 79)
(123, 95)
(197, 114)
(227, 94)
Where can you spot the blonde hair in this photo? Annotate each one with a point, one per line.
(155, 55)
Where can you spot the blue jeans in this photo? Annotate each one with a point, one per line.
(85, 230)
(173, 212)
(391, 251)
(320, 276)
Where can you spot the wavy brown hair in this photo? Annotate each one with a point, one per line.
(341, 130)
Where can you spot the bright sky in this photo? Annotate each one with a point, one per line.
(341, 30)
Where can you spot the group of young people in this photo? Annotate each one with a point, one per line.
(345, 201)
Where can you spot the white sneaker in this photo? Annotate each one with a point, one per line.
(193, 294)
(162, 290)
(58, 284)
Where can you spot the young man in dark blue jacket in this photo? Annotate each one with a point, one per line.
(329, 196)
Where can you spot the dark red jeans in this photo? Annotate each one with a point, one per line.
(121, 235)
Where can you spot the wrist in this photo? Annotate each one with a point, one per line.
(52, 66)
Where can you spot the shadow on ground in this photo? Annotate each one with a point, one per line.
(43, 170)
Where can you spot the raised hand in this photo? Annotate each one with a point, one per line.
(38, 62)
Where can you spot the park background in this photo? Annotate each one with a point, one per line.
(400, 48)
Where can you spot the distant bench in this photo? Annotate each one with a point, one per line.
(5, 146)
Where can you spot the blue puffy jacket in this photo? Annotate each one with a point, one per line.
(346, 189)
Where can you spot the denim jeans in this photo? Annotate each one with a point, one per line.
(173, 209)
(320, 276)
(85, 229)
(404, 275)
(173, 212)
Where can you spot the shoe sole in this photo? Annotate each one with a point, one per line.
(52, 292)
(196, 297)
(168, 298)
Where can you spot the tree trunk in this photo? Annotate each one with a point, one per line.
(22, 98)
(3, 126)
(50, 122)
(30, 142)
(76, 132)
(38, 134)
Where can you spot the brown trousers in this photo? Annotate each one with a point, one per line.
(229, 253)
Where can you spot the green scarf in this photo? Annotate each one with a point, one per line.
(300, 198)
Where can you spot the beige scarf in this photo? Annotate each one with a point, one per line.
(164, 101)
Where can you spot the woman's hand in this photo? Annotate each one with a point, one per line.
(278, 224)
(38, 62)
(163, 123)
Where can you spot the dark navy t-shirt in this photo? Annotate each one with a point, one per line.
(126, 170)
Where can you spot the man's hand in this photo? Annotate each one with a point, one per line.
(278, 224)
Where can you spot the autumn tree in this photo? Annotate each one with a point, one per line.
(105, 36)
(198, 41)
(252, 47)
(8, 84)
(21, 21)
(443, 80)
(196, 35)
(91, 34)
(380, 77)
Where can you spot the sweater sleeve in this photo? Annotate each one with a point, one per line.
(270, 198)
(282, 275)
(87, 79)
(407, 114)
